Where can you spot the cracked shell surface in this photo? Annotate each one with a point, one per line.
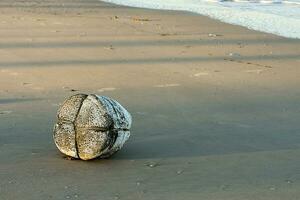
(91, 126)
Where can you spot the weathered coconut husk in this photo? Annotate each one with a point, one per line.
(91, 126)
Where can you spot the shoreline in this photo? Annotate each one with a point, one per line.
(229, 15)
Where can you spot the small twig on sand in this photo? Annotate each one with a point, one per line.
(141, 19)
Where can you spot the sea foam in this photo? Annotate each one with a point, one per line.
(278, 16)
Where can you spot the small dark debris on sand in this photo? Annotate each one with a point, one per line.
(167, 34)
(214, 35)
(141, 19)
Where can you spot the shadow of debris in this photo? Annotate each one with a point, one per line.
(184, 123)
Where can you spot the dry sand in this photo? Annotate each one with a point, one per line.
(216, 107)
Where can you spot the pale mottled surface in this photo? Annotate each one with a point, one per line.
(64, 138)
(91, 126)
(70, 108)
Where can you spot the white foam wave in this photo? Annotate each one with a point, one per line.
(280, 17)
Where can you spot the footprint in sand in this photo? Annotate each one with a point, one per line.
(201, 74)
(11, 73)
(14, 73)
(106, 89)
(167, 85)
(255, 71)
(37, 88)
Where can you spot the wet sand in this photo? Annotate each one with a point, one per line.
(215, 107)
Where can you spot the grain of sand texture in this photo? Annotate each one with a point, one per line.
(216, 107)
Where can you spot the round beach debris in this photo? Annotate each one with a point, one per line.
(91, 126)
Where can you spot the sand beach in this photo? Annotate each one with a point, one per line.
(215, 107)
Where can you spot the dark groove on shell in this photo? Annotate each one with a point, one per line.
(111, 131)
(75, 127)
